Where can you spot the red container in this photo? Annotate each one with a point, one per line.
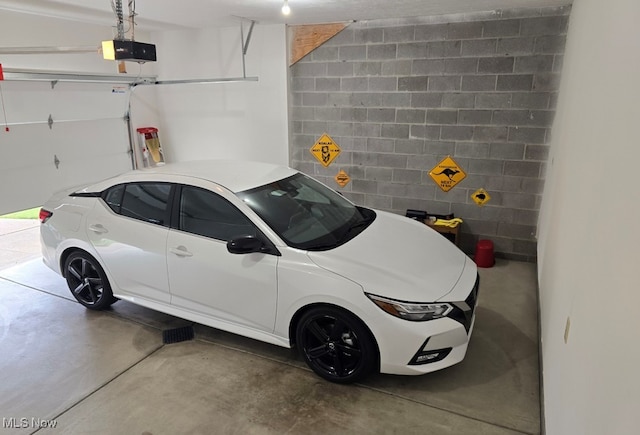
(484, 254)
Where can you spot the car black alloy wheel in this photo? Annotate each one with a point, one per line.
(87, 281)
(336, 345)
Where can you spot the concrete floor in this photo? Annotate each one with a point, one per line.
(109, 372)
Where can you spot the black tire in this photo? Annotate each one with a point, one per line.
(336, 345)
(87, 281)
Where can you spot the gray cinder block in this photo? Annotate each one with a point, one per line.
(495, 65)
(544, 26)
(479, 47)
(417, 83)
(410, 116)
(399, 34)
(461, 66)
(501, 28)
(382, 51)
(367, 68)
(442, 116)
(397, 131)
(493, 101)
(466, 30)
(515, 46)
(409, 146)
(534, 64)
(412, 50)
(458, 100)
(474, 117)
(426, 99)
(515, 82)
(444, 83)
(431, 32)
(457, 132)
(381, 115)
(521, 169)
(479, 83)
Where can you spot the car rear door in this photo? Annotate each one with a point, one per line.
(204, 277)
(129, 229)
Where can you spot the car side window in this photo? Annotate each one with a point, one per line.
(113, 197)
(146, 201)
(207, 214)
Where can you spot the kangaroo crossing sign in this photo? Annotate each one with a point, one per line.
(325, 150)
(447, 174)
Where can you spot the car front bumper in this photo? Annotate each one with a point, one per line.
(415, 348)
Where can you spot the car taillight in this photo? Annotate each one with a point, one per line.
(45, 215)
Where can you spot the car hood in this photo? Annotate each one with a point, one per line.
(399, 258)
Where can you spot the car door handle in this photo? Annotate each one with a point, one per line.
(180, 251)
(98, 229)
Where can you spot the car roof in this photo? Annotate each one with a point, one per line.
(235, 175)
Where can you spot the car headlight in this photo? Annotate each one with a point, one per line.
(415, 311)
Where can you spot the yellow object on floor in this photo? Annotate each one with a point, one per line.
(448, 222)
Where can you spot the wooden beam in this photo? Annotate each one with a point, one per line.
(307, 38)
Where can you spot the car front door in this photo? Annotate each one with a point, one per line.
(129, 229)
(204, 277)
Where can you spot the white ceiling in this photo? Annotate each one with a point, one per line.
(167, 14)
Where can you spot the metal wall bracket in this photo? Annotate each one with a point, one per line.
(245, 44)
(54, 83)
(56, 161)
(50, 122)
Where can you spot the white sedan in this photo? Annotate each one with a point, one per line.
(268, 253)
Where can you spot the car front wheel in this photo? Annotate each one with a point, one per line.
(336, 345)
(87, 281)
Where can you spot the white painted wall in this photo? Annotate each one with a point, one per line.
(245, 120)
(589, 233)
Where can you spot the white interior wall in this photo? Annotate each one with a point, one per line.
(588, 233)
(245, 120)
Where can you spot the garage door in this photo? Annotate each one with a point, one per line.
(86, 141)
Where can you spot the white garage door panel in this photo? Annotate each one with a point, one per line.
(27, 101)
(88, 138)
(89, 100)
(89, 151)
(24, 146)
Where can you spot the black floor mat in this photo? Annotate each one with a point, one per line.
(177, 335)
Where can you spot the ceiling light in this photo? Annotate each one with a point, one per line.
(286, 10)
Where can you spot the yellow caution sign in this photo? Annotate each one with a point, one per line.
(342, 178)
(325, 150)
(447, 174)
(480, 197)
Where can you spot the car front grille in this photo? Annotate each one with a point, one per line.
(463, 311)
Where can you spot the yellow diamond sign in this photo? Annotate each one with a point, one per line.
(342, 178)
(480, 197)
(447, 174)
(325, 150)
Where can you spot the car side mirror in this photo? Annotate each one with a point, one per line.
(245, 244)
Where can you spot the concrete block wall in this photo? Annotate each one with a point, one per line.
(400, 95)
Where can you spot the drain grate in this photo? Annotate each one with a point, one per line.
(177, 335)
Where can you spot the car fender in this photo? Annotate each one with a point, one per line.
(76, 245)
(303, 284)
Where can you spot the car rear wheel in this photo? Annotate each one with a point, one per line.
(87, 281)
(336, 345)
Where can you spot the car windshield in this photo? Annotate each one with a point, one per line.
(306, 214)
